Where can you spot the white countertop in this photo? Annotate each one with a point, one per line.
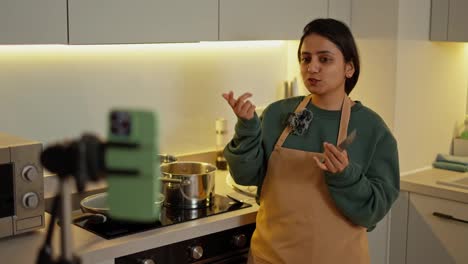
(426, 182)
(94, 249)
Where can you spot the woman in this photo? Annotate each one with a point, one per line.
(316, 200)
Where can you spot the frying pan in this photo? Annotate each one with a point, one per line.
(95, 204)
(95, 208)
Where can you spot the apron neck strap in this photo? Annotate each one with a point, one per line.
(287, 129)
(344, 119)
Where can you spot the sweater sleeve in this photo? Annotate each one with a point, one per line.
(245, 154)
(366, 197)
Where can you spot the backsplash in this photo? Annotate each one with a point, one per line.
(56, 92)
(53, 92)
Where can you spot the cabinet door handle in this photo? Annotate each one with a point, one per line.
(449, 217)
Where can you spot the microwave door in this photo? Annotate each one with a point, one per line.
(7, 205)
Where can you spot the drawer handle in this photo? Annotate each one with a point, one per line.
(449, 217)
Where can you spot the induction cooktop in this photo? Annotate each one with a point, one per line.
(111, 228)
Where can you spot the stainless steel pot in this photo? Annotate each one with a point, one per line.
(188, 184)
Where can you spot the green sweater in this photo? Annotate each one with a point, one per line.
(364, 191)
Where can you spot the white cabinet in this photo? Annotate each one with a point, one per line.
(275, 19)
(156, 21)
(433, 239)
(449, 20)
(33, 22)
(142, 21)
(399, 229)
(267, 19)
(340, 10)
(378, 242)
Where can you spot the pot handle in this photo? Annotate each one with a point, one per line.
(178, 181)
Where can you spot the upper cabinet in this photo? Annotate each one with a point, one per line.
(158, 21)
(33, 22)
(340, 10)
(449, 20)
(142, 21)
(275, 19)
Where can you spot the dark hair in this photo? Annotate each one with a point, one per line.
(338, 33)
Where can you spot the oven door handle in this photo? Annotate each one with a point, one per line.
(240, 256)
(234, 260)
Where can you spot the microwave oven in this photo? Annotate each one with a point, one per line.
(21, 186)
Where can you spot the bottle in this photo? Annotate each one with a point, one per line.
(464, 134)
(294, 88)
(221, 134)
(287, 89)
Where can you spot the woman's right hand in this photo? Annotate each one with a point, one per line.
(243, 108)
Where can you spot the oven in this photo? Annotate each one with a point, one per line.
(225, 247)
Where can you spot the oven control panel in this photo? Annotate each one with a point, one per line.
(228, 245)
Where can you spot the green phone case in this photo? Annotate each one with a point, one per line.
(133, 197)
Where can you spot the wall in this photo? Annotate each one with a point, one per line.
(466, 60)
(431, 89)
(53, 92)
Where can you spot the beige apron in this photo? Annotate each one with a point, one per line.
(298, 222)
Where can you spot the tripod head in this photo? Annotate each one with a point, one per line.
(83, 159)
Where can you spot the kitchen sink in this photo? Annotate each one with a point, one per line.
(455, 182)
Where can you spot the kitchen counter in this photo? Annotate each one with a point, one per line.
(94, 249)
(426, 182)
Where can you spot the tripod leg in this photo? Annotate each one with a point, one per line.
(66, 211)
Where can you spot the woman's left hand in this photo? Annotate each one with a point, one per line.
(334, 160)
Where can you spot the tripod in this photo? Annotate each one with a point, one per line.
(132, 135)
(81, 160)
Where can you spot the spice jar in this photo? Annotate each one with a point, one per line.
(221, 141)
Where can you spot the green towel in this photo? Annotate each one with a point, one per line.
(462, 160)
(450, 166)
